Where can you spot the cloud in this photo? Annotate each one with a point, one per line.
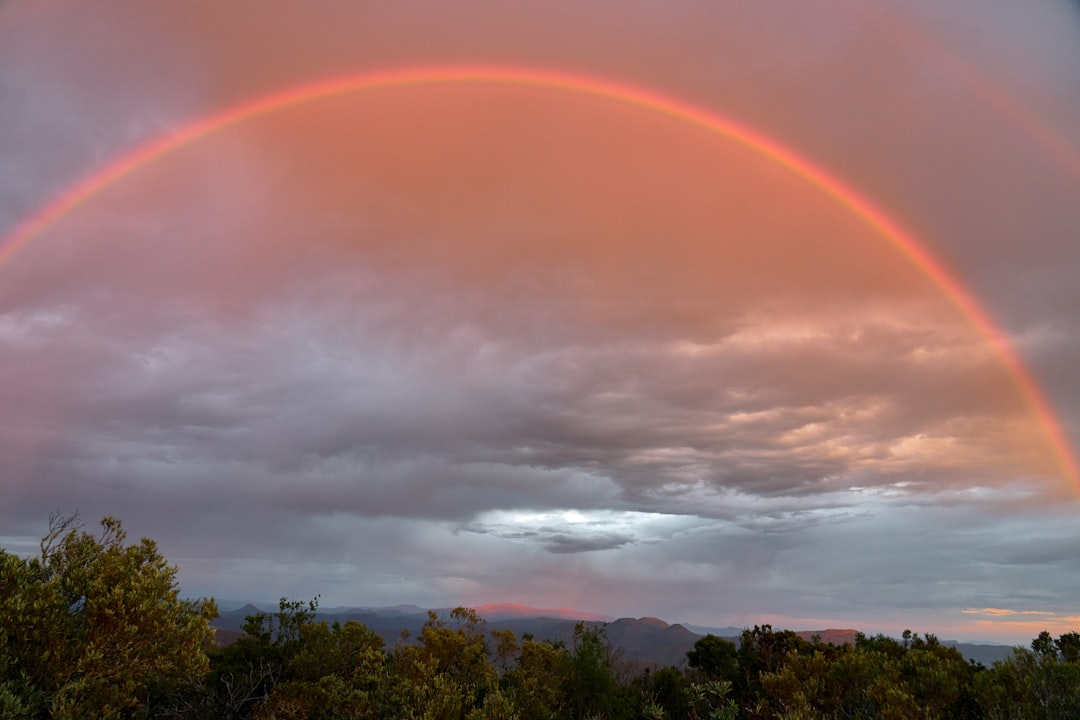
(572, 531)
(1002, 612)
(449, 344)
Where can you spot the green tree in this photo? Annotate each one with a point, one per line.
(591, 685)
(664, 693)
(763, 650)
(1044, 646)
(329, 672)
(1030, 685)
(536, 682)
(709, 701)
(1068, 646)
(92, 626)
(715, 657)
(449, 675)
(286, 664)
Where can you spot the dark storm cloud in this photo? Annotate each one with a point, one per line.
(560, 543)
(555, 540)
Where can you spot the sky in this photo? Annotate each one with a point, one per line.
(461, 343)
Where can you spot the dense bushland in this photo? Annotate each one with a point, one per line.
(94, 628)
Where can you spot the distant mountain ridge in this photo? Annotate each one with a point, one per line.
(506, 611)
(645, 641)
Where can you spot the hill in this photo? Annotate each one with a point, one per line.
(646, 641)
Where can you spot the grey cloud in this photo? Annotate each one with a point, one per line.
(559, 540)
(561, 544)
(297, 385)
(320, 422)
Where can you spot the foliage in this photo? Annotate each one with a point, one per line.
(590, 686)
(536, 682)
(449, 674)
(1030, 684)
(715, 657)
(93, 626)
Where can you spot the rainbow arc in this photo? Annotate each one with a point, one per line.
(885, 227)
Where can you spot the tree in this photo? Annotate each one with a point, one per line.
(1030, 684)
(1043, 645)
(763, 650)
(449, 675)
(591, 685)
(92, 626)
(535, 683)
(1068, 646)
(333, 672)
(665, 693)
(714, 656)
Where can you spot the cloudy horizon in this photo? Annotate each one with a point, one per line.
(465, 343)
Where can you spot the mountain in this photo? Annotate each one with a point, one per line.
(651, 641)
(389, 611)
(645, 641)
(829, 637)
(729, 631)
(985, 653)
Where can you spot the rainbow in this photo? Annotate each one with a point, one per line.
(764, 146)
